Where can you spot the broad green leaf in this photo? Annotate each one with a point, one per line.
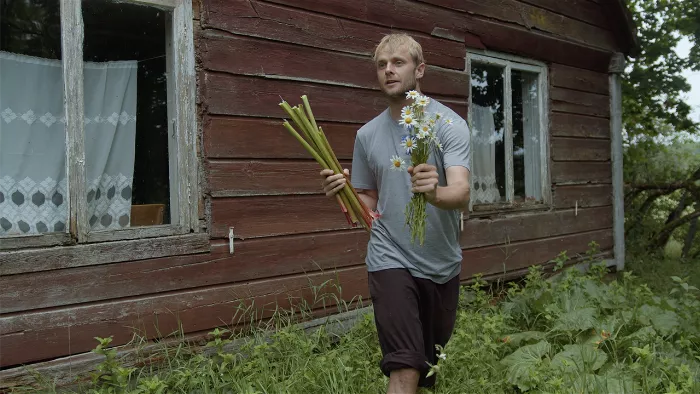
(643, 335)
(522, 337)
(589, 383)
(579, 359)
(523, 362)
(664, 321)
(577, 320)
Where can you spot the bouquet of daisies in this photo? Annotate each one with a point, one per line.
(420, 142)
(313, 139)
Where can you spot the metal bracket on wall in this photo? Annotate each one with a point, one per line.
(230, 240)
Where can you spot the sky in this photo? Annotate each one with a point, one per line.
(693, 77)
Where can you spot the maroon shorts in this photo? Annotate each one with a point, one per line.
(412, 316)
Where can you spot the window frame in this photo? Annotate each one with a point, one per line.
(182, 122)
(509, 63)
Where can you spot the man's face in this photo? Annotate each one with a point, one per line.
(397, 72)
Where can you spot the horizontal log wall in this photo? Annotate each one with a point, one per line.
(261, 183)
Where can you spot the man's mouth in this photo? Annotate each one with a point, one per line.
(391, 82)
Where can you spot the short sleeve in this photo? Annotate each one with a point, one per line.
(455, 139)
(361, 175)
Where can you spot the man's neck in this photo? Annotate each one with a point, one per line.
(396, 104)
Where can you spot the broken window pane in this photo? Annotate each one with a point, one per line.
(526, 136)
(33, 185)
(488, 129)
(128, 157)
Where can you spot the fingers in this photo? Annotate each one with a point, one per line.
(424, 175)
(332, 183)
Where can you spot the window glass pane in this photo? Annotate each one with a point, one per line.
(33, 194)
(488, 129)
(126, 116)
(526, 136)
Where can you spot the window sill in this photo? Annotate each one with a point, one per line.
(34, 241)
(45, 259)
(486, 210)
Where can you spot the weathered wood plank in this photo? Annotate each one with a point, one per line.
(275, 215)
(253, 259)
(254, 18)
(581, 103)
(513, 256)
(580, 149)
(35, 260)
(582, 196)
(65, 331)
(578, 79)
(528, 226)
(581, 172)
(240, 178)
(582, 10)
(265, 58)
(251, 138)
(72, 35)
(251, 96)
(572, 125)
(429, 19)
(528, 16)
(35, 241)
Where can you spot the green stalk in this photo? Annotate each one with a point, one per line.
(308, 147)
(308, 110)
(299, 123)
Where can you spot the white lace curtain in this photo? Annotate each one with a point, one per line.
(33, 186)
(484, 138)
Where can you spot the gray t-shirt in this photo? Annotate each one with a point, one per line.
(440, 257)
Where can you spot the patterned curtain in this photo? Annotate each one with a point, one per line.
(33, 184)
(484, 138)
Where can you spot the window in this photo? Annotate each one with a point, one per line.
(508, 118)
(97, 121)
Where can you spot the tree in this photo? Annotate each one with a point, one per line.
(661, 176)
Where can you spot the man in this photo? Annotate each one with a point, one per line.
(414, 288)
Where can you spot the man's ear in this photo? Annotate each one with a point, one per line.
(420, 70)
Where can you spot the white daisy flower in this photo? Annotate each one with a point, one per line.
(424, 131)
(408, 143)
(423, 101)
(407, 121)
(438, 144)
(448, 121)
(438, 115)
(397, 163)
(413, 94)
(406, 111)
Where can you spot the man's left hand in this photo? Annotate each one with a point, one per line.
(424, 179)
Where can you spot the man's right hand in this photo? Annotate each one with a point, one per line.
(332, 183)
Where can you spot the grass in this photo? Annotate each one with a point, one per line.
(569, 333)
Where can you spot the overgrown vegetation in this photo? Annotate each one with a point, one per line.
(573, 332)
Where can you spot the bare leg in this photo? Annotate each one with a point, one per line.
(403, 381)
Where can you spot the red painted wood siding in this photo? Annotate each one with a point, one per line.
(258, 179)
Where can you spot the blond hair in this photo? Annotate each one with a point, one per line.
(394, 41)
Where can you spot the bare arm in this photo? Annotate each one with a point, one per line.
(369, 197)
(453, 196)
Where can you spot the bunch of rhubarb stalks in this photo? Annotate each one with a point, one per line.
(315, 142)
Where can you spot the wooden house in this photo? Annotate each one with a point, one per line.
(155, 186)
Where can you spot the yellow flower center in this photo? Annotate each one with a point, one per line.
(408, 120)
(397, 163)
(409, 143)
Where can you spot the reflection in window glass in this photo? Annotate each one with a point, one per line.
(488, 129)
(126, 113)
(526, 136)
(33, 187)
